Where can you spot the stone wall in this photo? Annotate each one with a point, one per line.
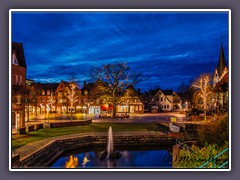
(50, 152)
(66, 123)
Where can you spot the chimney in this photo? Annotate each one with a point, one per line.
(84, 83)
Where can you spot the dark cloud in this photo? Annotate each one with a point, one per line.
(167, 47)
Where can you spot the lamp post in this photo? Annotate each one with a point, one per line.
(48, 109)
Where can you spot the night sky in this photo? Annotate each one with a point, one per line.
(168, 47)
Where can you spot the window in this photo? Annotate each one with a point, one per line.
(14, 59)
(43, 92)
(167, 106)
(85, 101)
(161, 99)
(16, 79)
(42, 100)
(140, 108)
(164, 106)
(85, 92)
(97, 101)
(91, 101)
(48, 92)
(20, 79)
(136, 108)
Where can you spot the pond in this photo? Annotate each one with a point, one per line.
(134, 157)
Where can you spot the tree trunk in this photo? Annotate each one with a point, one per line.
(205, 115)
(114, 110)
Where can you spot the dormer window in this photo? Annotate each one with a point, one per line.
(14, 59)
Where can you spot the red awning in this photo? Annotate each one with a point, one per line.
(106, 107)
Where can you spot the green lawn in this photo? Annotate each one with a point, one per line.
(20, 140)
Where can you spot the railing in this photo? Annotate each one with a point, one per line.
(213, 160)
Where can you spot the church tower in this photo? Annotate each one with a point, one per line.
(221, 70)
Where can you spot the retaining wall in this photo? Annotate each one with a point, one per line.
(51, 151)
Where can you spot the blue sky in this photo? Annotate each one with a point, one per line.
(168, 47)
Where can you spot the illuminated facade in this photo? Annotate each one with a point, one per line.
(220, 83)
(18, 87)
(165, 100)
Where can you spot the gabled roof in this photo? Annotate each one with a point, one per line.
(167, 92)
(221, 61)
(18, 49)
(88, 86)
(47, 86)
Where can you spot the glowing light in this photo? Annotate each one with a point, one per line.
(72, 162)
(85, 161)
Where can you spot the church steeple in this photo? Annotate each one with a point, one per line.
(222, 61)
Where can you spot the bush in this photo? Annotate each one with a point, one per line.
(198, 156)
(215, 132)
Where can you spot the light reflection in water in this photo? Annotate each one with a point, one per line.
(137, 158)
(72, 162)
(85, 161)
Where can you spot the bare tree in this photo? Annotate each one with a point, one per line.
(203, 90)
(72, 95)
(51, 101)
(116, 77)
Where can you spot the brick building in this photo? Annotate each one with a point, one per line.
(18, 81)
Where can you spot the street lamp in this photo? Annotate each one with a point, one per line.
(48, 109)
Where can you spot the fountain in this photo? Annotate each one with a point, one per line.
(110, 141)
(110, 153)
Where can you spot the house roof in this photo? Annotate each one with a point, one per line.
(221, 61)
(88, 86)
(167, 92)
(18, 49)
(47, 86)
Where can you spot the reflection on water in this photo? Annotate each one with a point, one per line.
(85, 161)
(72, 162)
(155, 158)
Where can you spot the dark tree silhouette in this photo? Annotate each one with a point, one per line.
(116, 77)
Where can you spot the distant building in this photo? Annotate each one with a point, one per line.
(220, 75)
(165, 100)
(130, 102)
(18, 87)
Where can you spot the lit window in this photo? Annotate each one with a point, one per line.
(20, 79)
(14, 59)
(97, 101)
(85, 92)
(136, 108)
(43, 92)
(16, 79)
(48, 92)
